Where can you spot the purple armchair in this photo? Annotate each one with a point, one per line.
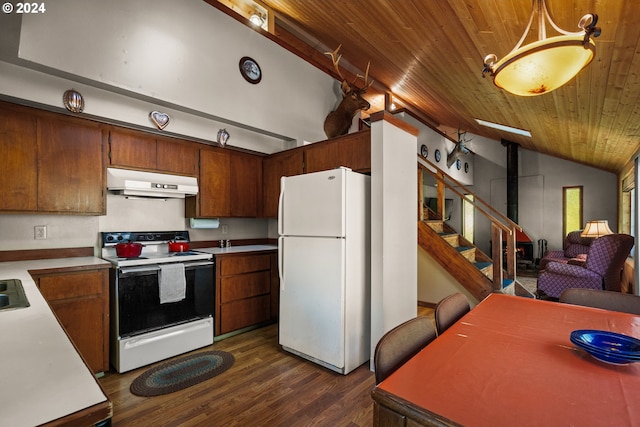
(601, 270)
(574, 246)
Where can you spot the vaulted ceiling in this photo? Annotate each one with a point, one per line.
(429, 53)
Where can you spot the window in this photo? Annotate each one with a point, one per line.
(467, 218)
(571, 209)
(628, 205)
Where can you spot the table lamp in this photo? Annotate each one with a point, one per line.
(596, 228)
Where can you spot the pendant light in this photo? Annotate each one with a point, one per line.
(548, 63)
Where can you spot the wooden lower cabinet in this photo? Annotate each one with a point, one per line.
(243, 290)
(80, 301)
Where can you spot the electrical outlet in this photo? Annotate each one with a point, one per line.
(225, 229)
(40, 232)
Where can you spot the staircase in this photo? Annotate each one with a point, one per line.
(472, 268)
(466, 263)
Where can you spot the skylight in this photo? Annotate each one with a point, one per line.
(504, 128)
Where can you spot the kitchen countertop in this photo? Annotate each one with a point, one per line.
(238, 249)
(42, 376)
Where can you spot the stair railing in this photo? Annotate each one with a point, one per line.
(501, 225)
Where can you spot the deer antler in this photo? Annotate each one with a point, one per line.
(367, 83)
(335, 58)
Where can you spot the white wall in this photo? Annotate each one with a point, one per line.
(435, 141)
(69, 231)
(130, 58)
(435, 282)
(542, 178)
(393, 228)
(178, 57)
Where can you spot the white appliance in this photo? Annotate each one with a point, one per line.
(150, 184)
(145, 327)
(324, 262)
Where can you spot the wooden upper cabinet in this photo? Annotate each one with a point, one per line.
(284, 163)
(352, 151)
(179, 157)
(245, 185)
(214, 184)
(230, 185)
(70, 166)
(138, 150)
(132, 149)
(18, 151)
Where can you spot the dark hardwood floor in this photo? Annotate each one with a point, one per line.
(265, 387)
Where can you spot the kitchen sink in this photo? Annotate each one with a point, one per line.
(12, 295)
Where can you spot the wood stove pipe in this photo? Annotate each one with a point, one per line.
(512, 180)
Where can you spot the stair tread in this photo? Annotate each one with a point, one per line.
(464, 248)
(481, 265)
(507, 282)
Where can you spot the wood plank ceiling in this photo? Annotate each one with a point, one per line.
(429, 55)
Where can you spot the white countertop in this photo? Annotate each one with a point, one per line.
(237, 249)
(42, 377)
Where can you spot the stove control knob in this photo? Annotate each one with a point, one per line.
(120, 237)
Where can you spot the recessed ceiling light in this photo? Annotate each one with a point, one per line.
(504, 128)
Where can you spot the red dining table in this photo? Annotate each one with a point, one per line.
(510, 362)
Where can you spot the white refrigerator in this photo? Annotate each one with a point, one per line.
(324, 262)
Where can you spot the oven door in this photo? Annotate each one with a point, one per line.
(139, 310)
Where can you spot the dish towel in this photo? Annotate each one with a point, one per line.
(172, 283)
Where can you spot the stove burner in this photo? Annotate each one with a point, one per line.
(185, 253)
(132, 258)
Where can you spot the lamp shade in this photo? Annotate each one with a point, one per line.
(543, 66)
(596, 228)
(548, 63)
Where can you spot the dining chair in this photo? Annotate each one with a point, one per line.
(449, 310)
(608, 300)
(401, 344)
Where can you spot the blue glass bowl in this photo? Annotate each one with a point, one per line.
(608, 347)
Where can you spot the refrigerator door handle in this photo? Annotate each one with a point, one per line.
(281, 261)
(281, 207)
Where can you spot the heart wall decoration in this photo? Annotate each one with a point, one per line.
(161, 120)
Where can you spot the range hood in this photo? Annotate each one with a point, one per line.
(148, 184)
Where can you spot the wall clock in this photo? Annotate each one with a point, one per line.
(424, 151)
(438, 155)
(250, 70)
(458, 164)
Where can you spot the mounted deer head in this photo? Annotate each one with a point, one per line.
(460, 148)
(338, 121)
